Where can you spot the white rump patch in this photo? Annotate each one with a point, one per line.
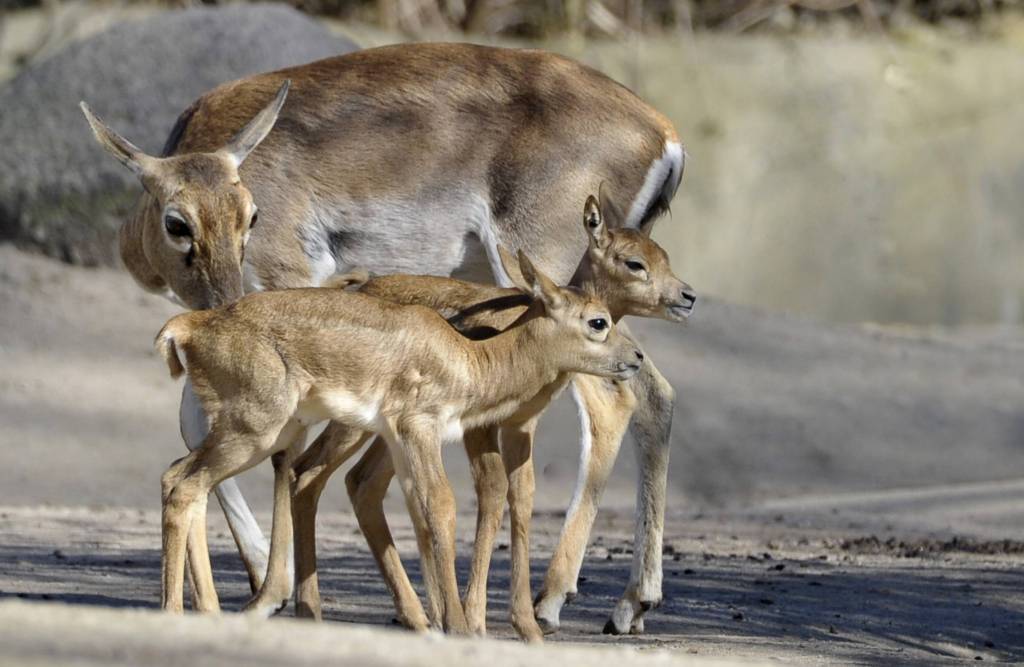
(671, 160)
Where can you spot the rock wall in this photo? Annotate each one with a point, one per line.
(59, 192)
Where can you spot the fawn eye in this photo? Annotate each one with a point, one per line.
(635, 266)
(175, 226)
(598, 324)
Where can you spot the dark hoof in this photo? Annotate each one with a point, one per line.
(280, 608)
(610, 629)
(647, 606)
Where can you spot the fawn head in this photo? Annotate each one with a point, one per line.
(630, 270)
(577, 327)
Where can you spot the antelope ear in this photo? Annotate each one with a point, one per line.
(250, 136)
(124, 151)
(511, 266)
(540, 285)
(610, 212)
(594, 223)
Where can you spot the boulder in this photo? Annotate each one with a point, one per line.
(59, 192)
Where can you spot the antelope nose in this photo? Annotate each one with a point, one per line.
(689, 296)
(639, 355)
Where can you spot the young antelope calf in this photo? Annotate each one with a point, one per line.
(622, 267)
(273, 363)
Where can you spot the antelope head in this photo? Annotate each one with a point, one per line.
(629, 269)
(205, 211)
(579, 329)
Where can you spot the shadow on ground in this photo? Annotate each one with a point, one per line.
(728, 594)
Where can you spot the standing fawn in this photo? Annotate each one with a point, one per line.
(626, 270)
(414, 158)
(271, 364)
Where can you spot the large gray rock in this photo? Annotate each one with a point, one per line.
(59, 192)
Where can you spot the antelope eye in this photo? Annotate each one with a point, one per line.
(175, 226)
(598, 324)
(635, 266)
(255, 217)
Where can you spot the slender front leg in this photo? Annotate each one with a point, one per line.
(367, 483)
(416, 454)
(277, 586)
(517, 452)
(252, 545)
(605, 407)
(491, 485)
(651, 428)
(312, 470)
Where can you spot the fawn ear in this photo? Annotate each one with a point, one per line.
(354, 278)
(610, 212)
(594, 223)
(511, 266)
(124, 151)
(250, 136)
(542, 287)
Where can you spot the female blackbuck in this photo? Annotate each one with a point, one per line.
(271, 364)
(625, 270)
(416, 158)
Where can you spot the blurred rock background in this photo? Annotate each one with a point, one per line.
(849, 160)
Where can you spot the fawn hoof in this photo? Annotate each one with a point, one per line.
(547, 609)
(265, 608)
(547, 626)
(625, 618)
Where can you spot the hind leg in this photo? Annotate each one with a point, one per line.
(312, 470)
(185, 486)
(252, 545)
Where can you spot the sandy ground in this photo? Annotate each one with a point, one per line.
(838, 494)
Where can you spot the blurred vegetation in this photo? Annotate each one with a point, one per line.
(539, 19)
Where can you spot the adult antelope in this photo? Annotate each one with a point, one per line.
(416, 158)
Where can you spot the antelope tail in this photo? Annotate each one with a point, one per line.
(174, 333)
(354, 278)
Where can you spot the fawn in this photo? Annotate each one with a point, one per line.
(624, 268)
(273, 363)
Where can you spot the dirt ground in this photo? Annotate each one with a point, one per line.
(885, 529)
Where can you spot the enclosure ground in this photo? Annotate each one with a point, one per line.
(745, 585)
